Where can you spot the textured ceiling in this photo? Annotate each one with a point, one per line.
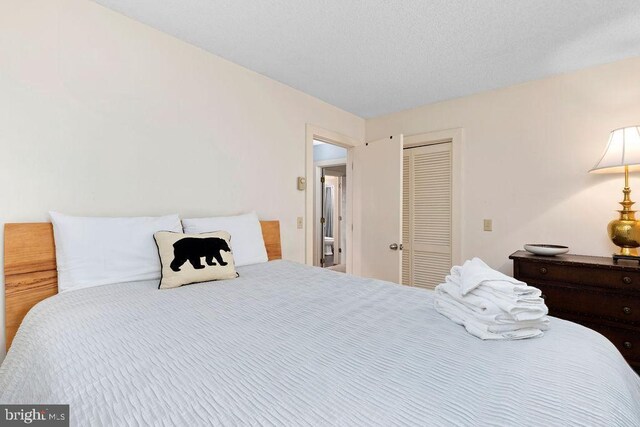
(373, 57)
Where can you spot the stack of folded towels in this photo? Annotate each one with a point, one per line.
(491, 305)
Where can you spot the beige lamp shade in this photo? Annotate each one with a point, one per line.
(622, 150)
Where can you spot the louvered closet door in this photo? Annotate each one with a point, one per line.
(426, 257)
(406, 218)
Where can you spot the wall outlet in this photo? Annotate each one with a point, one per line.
(488, 225)
(300, 223)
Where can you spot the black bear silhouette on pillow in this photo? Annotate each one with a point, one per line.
(192, 249)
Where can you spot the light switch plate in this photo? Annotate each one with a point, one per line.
(488, 225)
(302, 183)
(300, 223)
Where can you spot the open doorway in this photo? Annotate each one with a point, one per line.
(326, 148)
(330, 206)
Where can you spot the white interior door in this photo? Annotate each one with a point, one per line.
(377, 187)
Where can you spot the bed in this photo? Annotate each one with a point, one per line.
(288, 344)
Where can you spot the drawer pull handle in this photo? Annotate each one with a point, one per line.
(627, 280)
(626, 310)
(543, 270)
(627, 344)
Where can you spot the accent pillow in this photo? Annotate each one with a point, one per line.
(182, 256)
(247, 242)
(94, 251)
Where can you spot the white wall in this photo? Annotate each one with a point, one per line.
(526, 153)
(101, 115)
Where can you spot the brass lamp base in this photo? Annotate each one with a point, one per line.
(625, 231)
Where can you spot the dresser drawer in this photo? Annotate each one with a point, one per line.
(580, 275)
(627, 341)
(591, 302)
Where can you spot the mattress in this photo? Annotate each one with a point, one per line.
(287, 344)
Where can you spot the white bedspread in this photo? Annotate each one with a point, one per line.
(286, 344)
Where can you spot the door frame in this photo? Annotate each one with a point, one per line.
(317, 202)
(456, 137)
(344, 141)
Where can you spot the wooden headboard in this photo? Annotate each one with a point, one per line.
(30, 266)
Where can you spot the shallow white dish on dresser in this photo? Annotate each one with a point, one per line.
(545, 250)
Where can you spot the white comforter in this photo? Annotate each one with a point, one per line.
(286, 344)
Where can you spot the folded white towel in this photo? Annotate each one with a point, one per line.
(528, 295)
(490, 304)
(542, 324)
(480, 305)
(492, 311)
(510, 289)
(459, 314)
(485, 300)
(475, 272)
(500, 288)
(520, 311)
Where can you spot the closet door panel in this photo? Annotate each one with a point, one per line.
(430, 268)
(406, 219)
(431, 214)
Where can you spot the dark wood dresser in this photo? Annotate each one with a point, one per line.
(592, 291)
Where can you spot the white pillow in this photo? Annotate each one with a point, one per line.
(247, 243)
(92, 251)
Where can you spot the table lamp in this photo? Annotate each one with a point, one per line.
(622, 154)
